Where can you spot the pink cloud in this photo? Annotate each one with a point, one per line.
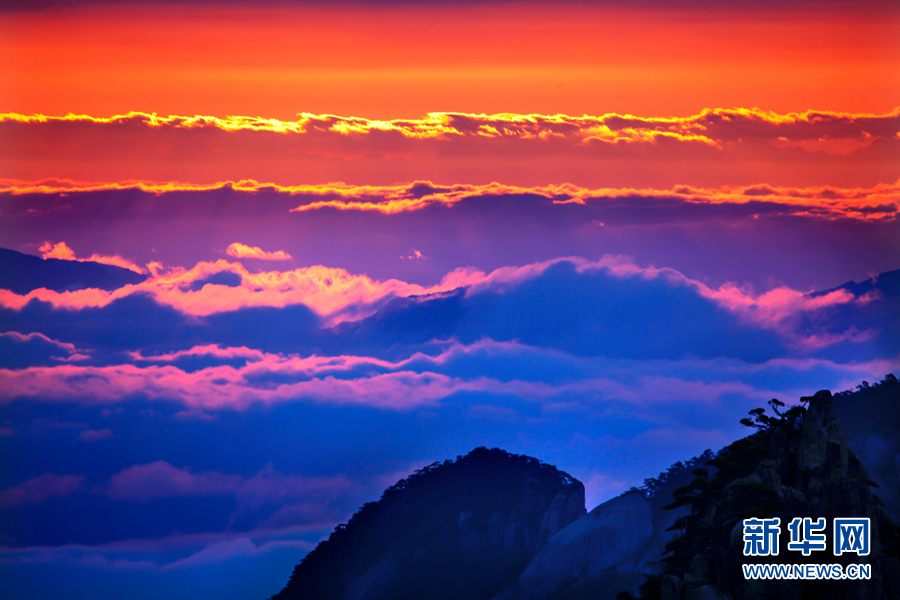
(241, 251)
(337, 295)
(415, 255)
(331, 292)
(208, 350)
(412, 383)
(24, 338)
(226, 387)
(161, 480)
(62, 252)
(40, 489)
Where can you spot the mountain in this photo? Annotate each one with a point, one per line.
(613, 548)
(798, 464)
(802, 464)
(870, 416)
(886, 284)
(21, 273)
(457, 529)
(493, 525)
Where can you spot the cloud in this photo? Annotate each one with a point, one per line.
(331, 292)
(159, 479)
(271, 486)
(709, 126)
(715, 147)
(62, 252)
(340, 296)
(219, 388)
(881, 201)
(21, 350)
(94, 435)
(155, 554)
(241, 547)
(210, 350)
(497, 369)
(415, 255)
(170, 331)
(40, 489)
(241, 251)
(599, 488)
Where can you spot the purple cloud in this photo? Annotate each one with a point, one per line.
(159, 479)
(94, 435)
(41, 488)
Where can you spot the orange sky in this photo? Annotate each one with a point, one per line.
(711, 149)
(406, 61)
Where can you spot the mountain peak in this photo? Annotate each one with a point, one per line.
(485, 514)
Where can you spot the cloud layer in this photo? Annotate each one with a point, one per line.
(243, 251)
(713, 148)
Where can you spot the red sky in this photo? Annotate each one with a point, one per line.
(403, 61)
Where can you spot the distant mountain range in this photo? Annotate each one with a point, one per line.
(22, 273)
(496, 526)
(888, 284)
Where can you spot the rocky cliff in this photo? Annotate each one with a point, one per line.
(602, 549)
(610, 549)
(870, 418)
(799, 464)
(458, 529)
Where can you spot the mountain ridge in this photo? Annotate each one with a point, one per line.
(22, 273)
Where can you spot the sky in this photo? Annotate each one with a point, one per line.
(364, 237)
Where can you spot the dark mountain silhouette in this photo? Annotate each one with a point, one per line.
(870, 416)
(457, 529)
(481, 526)
(21, 273)
(887, 284)
(798, 464)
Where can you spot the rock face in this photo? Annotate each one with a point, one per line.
(870, 417)
(609, 550)
(606, 549)
(799, 465)
(461, 529)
